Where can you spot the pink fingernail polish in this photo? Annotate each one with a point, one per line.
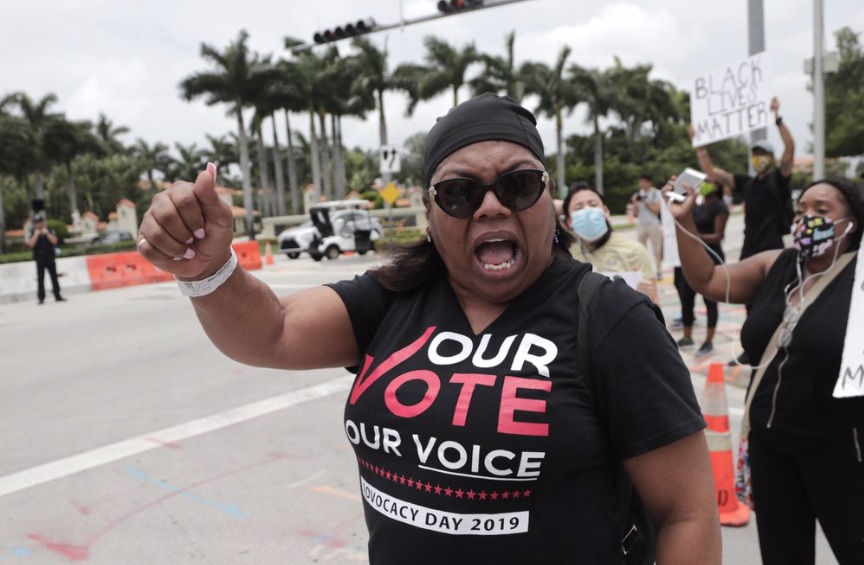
(189, 241)
(212, 169)
(190, 254)
(199, 233)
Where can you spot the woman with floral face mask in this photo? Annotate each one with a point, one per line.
(806, 447)
(596, 243)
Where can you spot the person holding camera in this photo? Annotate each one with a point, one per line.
(646, 209)
(43, 242)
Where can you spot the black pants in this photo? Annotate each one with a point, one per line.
(687, 296)
(798, 480)
(51, 266)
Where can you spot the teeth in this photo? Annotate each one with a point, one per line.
(500, 267)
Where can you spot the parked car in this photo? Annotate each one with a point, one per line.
(334, 228)
(297, 239)
(113, 237)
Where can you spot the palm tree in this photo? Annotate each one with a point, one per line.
(448, 66)
(371, 80)
(289, 98)
(555, 96)
(66, 141)
(236, 81)
(309, 83)
(343, 102)
(37, 117)
(155, 157)
(190, 161)
(596, 91)
(107, 132)
(14, 152)
(223, 152)
(639, 99)
(500, 74)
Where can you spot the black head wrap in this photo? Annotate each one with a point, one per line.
(487, 117)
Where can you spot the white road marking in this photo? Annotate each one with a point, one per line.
(61, 468)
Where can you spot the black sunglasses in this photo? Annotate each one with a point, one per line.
(517, 190)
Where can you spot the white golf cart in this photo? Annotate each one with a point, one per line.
(336, 227)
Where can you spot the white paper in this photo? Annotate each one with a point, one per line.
(631, 278)
(850, 382)
(670, 241)
(732, 101)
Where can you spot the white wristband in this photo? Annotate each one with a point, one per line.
(204, 287)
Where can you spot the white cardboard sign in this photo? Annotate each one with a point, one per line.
(850, 382)
(731, 101)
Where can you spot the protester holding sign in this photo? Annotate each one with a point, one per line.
(765, 196)
(646, 208)
(806, 447)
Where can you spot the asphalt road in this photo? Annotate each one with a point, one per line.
(125, 437)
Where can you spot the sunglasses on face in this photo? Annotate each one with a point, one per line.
(517, 190)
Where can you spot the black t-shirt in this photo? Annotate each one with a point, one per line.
(763, 215)
(487, 448)
(705, 215)
(811, 363)
(43, 249)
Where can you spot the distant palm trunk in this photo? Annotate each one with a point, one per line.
(247, 182)
(2, 223)
(277, 166)
(37, 185)
(559, 137)
(598, 157)
(263, 176)
(338, 156)
(316, 157)
(382, 120)
(72, 192)
(326, 173)
(292, 167)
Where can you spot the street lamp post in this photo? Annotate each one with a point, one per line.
(818, 94)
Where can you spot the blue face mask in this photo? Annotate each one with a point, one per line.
(589, 223)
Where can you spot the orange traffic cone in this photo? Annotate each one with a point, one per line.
(715, 410)
(268, 259)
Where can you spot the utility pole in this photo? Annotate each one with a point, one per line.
(818, 94)
(756, 44)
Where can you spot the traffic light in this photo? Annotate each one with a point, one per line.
(352, 29)
(451, 6)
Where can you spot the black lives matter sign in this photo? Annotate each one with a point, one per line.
(731, 101)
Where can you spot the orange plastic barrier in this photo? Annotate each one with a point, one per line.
(116, 270)
(715, 409)
(248, 255)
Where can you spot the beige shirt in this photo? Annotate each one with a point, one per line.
(619, 254)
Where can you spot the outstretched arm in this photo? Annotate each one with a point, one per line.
(736, 282)
(715, 174)
(788, 157)
(187, 231)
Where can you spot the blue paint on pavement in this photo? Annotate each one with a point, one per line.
(231, 509)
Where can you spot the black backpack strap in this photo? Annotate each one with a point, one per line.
(588, 285)
(637, 528)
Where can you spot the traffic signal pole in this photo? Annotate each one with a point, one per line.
(464, 8)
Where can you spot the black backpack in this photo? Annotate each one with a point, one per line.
(638, 531)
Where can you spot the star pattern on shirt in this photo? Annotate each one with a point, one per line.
(447, 491)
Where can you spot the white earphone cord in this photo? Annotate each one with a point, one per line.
(801, 283)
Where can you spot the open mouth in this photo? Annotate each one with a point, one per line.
(496, 254)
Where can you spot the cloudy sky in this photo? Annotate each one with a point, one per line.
(125, 58)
